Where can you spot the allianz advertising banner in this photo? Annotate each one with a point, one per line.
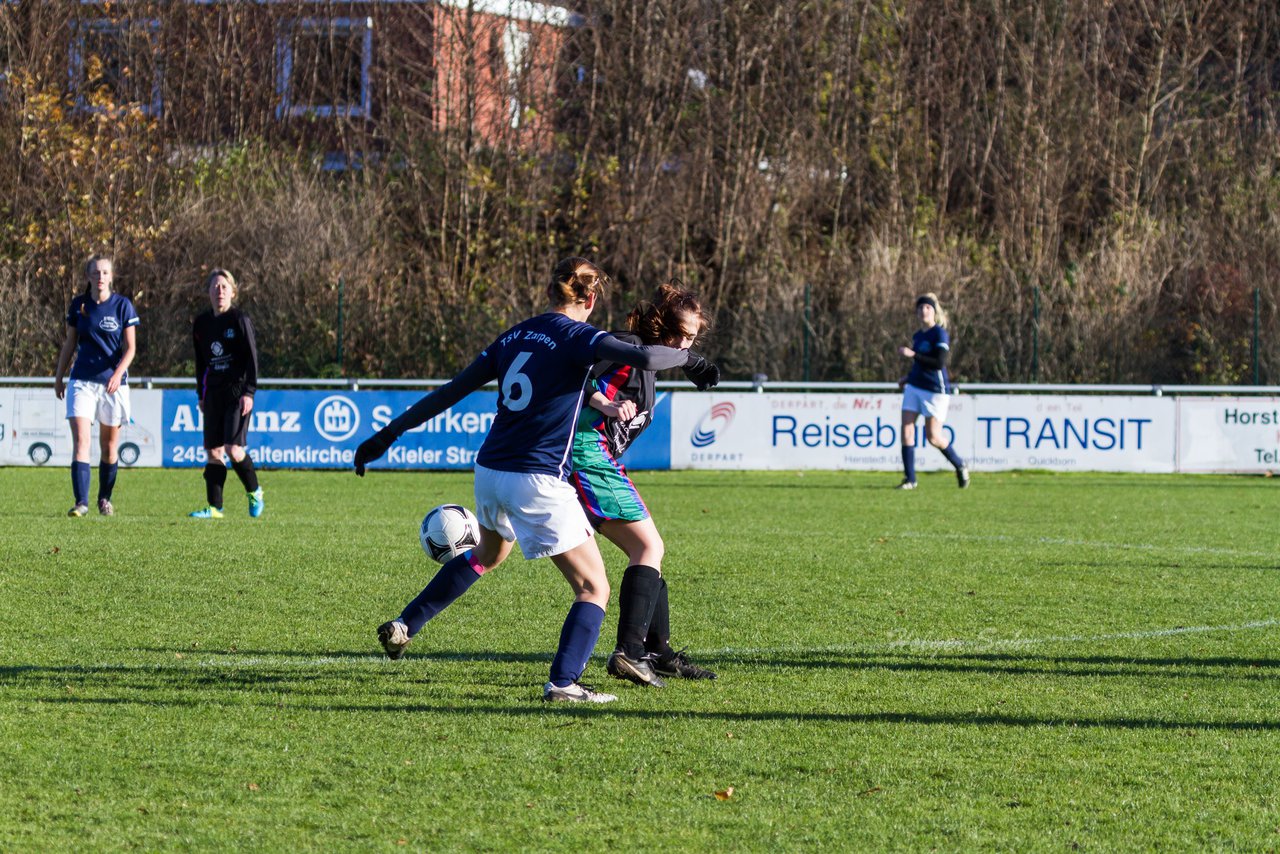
(803, 431)
(1229, 434)
(316, 429)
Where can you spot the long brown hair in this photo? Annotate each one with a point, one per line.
(660, 320)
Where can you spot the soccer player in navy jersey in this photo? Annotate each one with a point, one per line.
(619, 409)
(102, 335)
(926, 389)
(542, 366)
(226, 380)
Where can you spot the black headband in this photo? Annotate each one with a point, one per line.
(927, 301)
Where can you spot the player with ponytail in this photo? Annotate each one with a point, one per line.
(926, 390)
(542, 366)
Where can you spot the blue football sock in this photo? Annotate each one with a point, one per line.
(106, 479)
(449, 583)
(80, 482)
(577, 640)
(952, 457)
(909, 462)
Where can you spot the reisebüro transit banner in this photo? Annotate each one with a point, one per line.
(991, 432)
(1074, 433)
(802, 431)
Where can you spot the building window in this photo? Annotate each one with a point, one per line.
(114, 65)
(324, 67)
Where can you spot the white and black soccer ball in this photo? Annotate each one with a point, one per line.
(447, 531)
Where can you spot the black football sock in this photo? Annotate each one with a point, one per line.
(636, 599)
(247, 473)
(658, 640)
(215, 475)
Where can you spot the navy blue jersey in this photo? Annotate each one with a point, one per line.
(542, 366)
(928, 342)
(100, 331)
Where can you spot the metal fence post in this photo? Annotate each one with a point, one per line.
(341, 288)
(1035, 333)
(1257, 310)
(807, 288)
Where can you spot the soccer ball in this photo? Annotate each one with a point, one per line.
(447, 531)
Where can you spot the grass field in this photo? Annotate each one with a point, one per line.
(1041, 662)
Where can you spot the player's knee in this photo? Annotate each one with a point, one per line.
(216, 455)
(595, 591)
(654, 551)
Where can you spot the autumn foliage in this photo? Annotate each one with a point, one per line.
(1090, 187)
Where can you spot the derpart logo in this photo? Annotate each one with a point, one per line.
(711, 425)
(337, 418)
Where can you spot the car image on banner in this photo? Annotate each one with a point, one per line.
(34, 429)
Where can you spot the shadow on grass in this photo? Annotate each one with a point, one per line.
(1155, 564)
(1020, 664)
(247, 679)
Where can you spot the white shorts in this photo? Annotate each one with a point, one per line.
(933, 404)
(87, 399)
(538, 511)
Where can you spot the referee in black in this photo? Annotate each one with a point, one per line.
(226, 379)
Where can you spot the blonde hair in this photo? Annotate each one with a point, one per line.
(573, 280)
(939, 316)
(226, 274)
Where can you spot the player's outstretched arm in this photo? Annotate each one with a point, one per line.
(646, 357)
(472, 377)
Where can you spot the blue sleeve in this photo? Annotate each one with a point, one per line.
(73, 313)
(128, 314)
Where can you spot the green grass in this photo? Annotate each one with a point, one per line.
(1038, 663)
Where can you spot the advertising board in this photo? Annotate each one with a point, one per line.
(1229, 434)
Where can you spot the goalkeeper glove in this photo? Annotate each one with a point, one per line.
(705, 375)
(371, 449)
